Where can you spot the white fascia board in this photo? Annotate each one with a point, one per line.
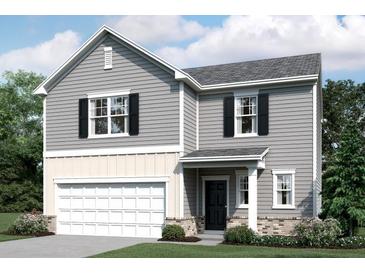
(112, 151)
(110, 180)
(219, 159)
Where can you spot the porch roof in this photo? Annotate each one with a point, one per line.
(233, 154)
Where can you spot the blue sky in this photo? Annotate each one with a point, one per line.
(41, 43)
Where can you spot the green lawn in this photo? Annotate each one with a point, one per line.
(6, 219)
(225, 251)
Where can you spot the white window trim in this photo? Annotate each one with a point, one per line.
(276, 172)
(238, 174)
(107, 95)
(238, 95)
(108, 50)
(215, 178)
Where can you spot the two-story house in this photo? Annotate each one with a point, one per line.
(132, 143)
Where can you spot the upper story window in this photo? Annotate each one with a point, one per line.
(108, 116)
(246, 115)
(242, 196)
(283, 188)
(108, 58)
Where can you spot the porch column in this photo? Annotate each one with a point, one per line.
(252, 201)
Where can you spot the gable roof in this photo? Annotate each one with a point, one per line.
(252, 73)
(274, 68)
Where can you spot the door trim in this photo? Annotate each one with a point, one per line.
(215, 178)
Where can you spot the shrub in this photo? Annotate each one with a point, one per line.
(29, 224)
(317, 233)
(350, 242)
(275, 241)
(173, 233)
(239, 235)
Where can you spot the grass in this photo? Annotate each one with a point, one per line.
(6, 219)
(226, 251)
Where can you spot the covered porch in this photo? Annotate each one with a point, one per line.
(220, 185)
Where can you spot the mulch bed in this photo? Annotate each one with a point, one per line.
(191, 239)
(39, 234)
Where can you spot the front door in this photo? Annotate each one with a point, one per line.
(215, 205)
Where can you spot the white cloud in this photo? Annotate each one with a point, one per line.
(44, 57)
(240, 38)
(157, 30)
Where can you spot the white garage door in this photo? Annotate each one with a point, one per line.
(128, 209)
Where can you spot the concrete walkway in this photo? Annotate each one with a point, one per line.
(65, 246)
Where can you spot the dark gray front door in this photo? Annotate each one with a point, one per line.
(215, 205)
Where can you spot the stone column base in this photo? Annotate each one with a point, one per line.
(189, 224)
(51, 223)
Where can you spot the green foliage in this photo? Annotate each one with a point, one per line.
(173, 233)
(29, 224)
(343, 101)
(239, 235)
(344, 180)
(317, 233)
(276, 241)
(20, 142)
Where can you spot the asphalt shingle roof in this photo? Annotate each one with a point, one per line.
(257, 70)
(243, 151)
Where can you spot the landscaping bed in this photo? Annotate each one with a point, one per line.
(191, 239)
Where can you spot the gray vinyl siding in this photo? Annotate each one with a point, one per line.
(190, 192)
(290, 141)
(189, 120)
(158, 99)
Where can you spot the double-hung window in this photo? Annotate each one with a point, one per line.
(108, 116)
(283, 188)
(242, 189)
(246, 115)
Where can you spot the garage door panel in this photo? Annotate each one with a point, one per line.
(89, 203)
(76, 203)
(102, 203)
(129, 210)
(116, 203)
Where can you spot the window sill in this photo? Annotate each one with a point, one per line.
(245, 135)
(283, 207)
(101, 136)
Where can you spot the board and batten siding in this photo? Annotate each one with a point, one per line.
(132, 165)
(158, 99)
(290, 140)
(189, 119)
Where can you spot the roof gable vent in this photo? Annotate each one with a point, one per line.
(108, 60)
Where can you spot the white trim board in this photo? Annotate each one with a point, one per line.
(112, 151)
(110, 180)
(215, 178)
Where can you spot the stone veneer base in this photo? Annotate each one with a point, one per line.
(189, 224)
(268, 225)
(51, 223)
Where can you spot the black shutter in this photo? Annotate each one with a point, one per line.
(133, 114)
(83, 118)
(263, 114)
(228, 119)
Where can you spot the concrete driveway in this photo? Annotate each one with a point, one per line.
(65, 246)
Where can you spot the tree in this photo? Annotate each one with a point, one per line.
(344, 194)
(343, 101)
(20, 142)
